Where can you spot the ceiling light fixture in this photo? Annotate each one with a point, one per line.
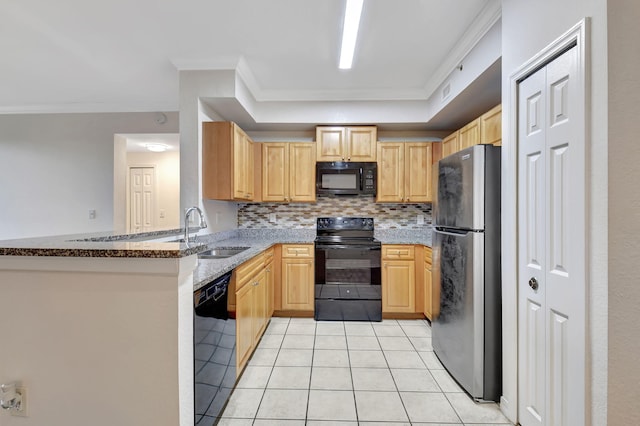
(156, 147)
(352, 14)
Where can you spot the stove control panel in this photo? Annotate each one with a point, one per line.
(356, 223)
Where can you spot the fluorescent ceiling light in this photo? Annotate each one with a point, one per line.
(350, 32)
(156, 147)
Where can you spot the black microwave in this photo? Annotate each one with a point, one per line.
(346, 178)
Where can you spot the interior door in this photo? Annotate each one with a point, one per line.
(141, 198)
(551, 246)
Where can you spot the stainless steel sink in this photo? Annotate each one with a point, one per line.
(221, 253)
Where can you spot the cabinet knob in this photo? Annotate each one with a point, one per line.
(348, 158)
(342, 158)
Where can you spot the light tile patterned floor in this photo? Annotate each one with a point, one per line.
(351, 373)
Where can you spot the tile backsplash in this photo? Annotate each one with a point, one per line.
(303, 215)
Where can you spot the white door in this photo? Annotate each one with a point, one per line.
(552, 245)
(141, 198)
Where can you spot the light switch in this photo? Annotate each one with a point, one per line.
(92, 214)
(420, 219)
(272, 217)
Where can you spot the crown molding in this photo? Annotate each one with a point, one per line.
(485, 20)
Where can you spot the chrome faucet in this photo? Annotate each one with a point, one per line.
(203, 223)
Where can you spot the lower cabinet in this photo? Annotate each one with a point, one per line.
(428, 284)
(252, 305)
(398, 279)
(297, 277)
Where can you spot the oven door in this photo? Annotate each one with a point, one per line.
(347, 286)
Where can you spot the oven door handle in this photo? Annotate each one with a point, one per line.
(343, 246)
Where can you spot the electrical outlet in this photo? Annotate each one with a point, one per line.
(92, 214)
(420, 219)
(162, 213)
(272, 217)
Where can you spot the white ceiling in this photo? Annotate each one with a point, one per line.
(124, 55)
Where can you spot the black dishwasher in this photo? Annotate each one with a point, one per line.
(214, 350)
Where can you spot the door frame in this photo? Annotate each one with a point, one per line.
(128, 192)
(579, 35)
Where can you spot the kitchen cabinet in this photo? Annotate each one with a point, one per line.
(288, 172)
(450, 144)
(469, 135)
(270, 275)
(398, 279)
(404, 172)
(297, 277)
(486, 130)
(339, 143)
(427, 282)
(229, 161)
(252, 305)
(491, 126)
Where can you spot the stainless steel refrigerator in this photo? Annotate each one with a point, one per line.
(466, 326)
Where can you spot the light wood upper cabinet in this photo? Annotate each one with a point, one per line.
(275, 171)
(297, 277)
(486, 130)
(302, 172)
(491, 126)
(390, 172)
(398, 279)
(228, 162)
(469, 135)
(450, 144)
(404, 172)
(288, 172)
(339, 143)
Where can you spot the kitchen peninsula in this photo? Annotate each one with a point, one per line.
(99, 328)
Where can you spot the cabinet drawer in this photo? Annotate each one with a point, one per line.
(297, 250)
(392, 252)
(248, 270)
(268, 255)
(427, 255)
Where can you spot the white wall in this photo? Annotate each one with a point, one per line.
(624, 212)
(527, 27)
(194, 85)
(55, 167)
(167, 168)
(99, 343)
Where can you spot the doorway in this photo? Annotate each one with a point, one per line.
(161, 209)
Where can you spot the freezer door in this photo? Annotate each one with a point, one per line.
(458, 328)
(460, 186)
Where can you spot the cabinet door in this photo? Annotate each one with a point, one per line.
(470, 134)
(427, 291)
(242, 165)
(330, 143)
(390, 172)
(297, 284)
(275, 173)
(244, 325)
(398, 286)
(260, 305)
(361, 143)
(491, 126)
(450, 144)
(269, 283)
(417, 172)
(302, 172)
